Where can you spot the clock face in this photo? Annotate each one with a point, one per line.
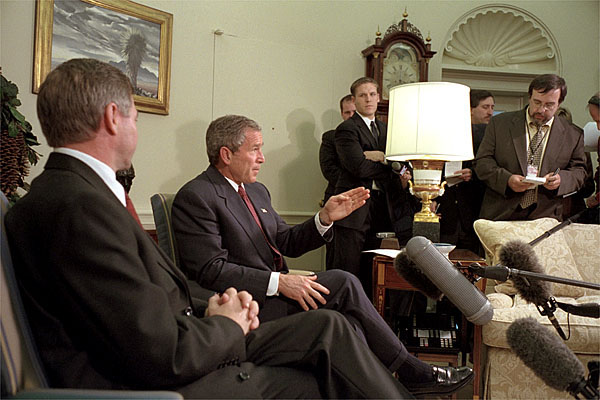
(399, 66)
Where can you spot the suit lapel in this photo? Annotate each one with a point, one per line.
(239, 211)
(553, 146)
(517, 133)
(65, 162)
(365, 131)
(382, 134)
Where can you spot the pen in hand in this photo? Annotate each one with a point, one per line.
(557, 171)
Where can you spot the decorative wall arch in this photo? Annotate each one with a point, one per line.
(502, 38)
(499, 47)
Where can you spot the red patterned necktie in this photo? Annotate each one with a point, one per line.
(129, 206)
(277, 258)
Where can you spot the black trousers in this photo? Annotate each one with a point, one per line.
(349, 243)
(314, 354)
(348, 298)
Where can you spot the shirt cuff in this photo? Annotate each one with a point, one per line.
(320, 227)
(273, 288)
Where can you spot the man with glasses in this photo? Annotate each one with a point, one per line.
(530, 158)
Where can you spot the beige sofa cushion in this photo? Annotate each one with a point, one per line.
(553, 252)
(584, 242)
(584, 332)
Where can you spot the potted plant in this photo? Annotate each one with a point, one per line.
(17, 139)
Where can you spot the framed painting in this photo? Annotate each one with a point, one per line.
(132, 37)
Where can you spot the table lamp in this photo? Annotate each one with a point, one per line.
(429, 123)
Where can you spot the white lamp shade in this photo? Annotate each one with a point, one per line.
(429, 121)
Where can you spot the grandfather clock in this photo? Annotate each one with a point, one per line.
(401, 57)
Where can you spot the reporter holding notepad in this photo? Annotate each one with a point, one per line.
(527, 146)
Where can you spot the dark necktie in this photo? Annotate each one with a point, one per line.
(129, 206)
(277, 258)
(375, 131)
(534, 157)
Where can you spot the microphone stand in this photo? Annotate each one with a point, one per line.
(502, 273)
(558, 227)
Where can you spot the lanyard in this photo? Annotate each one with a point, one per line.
(532, 151)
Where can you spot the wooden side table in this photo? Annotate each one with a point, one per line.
(385, 277)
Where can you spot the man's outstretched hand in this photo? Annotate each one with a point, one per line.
(343, 204)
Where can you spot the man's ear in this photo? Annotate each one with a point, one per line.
(111, 114)
(225, 154)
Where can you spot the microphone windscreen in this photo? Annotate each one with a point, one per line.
(520, 255)
(407, 269)
(462, 293)
(545, 353)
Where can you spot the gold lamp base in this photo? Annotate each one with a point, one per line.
(426, 195)
(427, 176)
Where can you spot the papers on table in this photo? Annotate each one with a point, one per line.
(392, 253)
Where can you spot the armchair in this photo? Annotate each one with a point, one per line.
(162, 203)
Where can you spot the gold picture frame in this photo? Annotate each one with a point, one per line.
(125, 24)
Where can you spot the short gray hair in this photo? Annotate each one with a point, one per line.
(72, 99)
(228, 131)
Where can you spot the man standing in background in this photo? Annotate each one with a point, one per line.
(482, 106)
(529, 159)
(460, 205)
(330, 163)
(360, 142)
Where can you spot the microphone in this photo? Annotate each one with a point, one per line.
(407, 269)
(462, 293)
(516, 253)
(399, 168)
(549, 358)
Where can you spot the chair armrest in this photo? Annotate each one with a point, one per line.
(96, 394)
(500, 300)
(301, 272)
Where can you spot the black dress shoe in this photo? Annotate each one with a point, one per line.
(446, 380)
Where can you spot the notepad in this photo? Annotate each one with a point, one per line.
(536, 180)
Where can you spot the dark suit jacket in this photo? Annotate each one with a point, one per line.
(329, 162)
(503, 152)
(217, 236)
(461, 203)
(352, 138)
(106, 305)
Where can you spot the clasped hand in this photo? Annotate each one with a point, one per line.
(237, 306)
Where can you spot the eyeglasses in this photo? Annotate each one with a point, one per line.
(536, 104)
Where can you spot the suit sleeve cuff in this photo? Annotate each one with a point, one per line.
(320, 227)
(273, 288)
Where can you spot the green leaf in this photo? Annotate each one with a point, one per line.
(13, 129)
(19, 117)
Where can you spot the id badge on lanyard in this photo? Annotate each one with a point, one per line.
(532, 170)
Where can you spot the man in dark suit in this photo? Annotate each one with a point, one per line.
(330, 163)
(228, 234)
(531, 143)
(460, 205)
(108, 308)
(328, 158)
(360, 142)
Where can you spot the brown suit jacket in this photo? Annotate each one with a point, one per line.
(503, 152)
